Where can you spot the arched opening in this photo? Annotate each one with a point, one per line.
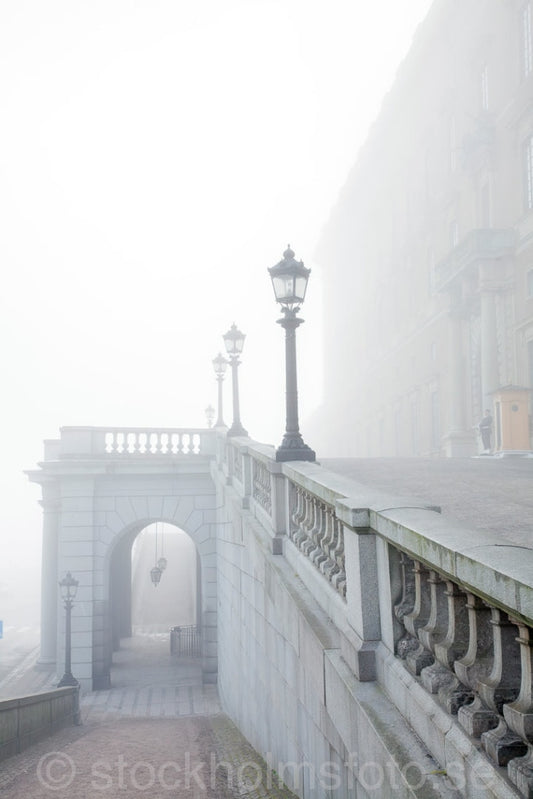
(141, 613)
(173, 601)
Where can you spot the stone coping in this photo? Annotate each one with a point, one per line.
(500, 573)
(37, 698)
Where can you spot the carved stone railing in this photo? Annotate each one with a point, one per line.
(236, 466)
(409, 591)
(152, 441)
(94, 442)
(319, 534)
(475, 657)
(262, 485)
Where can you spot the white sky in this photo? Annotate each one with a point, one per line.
(156, 156)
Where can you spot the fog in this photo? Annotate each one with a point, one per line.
(156, 157)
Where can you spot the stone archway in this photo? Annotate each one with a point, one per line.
(183, 600)
(181, 511)
(96, 502)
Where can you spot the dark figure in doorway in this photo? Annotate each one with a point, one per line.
(485, 428)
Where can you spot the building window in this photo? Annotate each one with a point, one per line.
(530, 283)
(485, 88)
(528, 169)
(527, 40)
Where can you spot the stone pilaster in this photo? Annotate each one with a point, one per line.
(49, 579)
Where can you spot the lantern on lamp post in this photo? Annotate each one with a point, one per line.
(289, 280)
(234, 342)
(69, 587)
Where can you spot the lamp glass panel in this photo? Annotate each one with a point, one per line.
(220, 365)
(283, 287)
(300, 287)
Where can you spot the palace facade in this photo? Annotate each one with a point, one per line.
(427, 258)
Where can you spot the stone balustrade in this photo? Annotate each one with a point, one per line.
(131, 442)
(453, 607)
(473, 656)
(319, 534)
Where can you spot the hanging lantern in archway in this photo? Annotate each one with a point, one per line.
(155, 575)
(162, 563)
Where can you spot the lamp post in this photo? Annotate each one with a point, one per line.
(289, 280)
(234, 342)
(69, 587)
(220, 365)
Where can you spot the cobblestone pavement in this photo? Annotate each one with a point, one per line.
(157, 732)
(197, 757)
(486, 493)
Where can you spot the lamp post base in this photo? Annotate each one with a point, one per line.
(236, 430)
(67, 681)
(293, 448)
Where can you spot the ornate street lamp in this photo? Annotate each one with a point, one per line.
(289, 280)
(234, 342)
(210, 415)
(220, 365)
(69, 587)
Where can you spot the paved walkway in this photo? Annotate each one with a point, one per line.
(158, 732)
(485, 493)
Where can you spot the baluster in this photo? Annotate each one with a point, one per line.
(454, 644)
(317, 553)
(136, 443)
(298, 507)
(501, 687)
(337, 550)
(338, 578)
(179, 446)
(519, 714)
(476, 662)
(310, 544)
(158, 443)
(196, 442)
(330, 566)
(419, 657)
(434, 631)
(323, 560)
(407, 600)
(300, 534)
(126, 449)
(109, 442)
(308, 523)
(482, 670)
(406, 643)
